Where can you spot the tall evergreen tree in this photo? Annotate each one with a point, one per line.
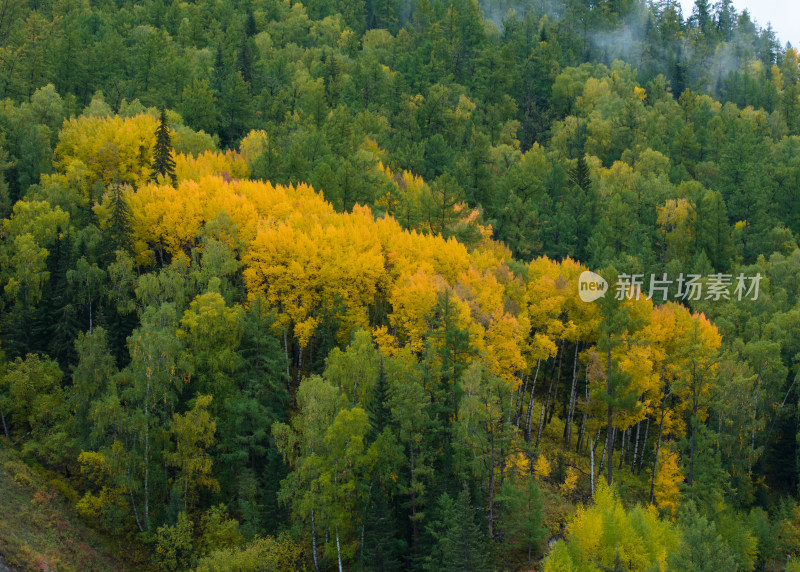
(163, 162)
(218, 73)
(119, 228)
(244, 60)
(616, 325)
(458, 543)
(250, 27)
(381, 549)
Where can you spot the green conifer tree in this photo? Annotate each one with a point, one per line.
(163, 162)
(119, 229)
(458, 543)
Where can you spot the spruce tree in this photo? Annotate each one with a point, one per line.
(702, 548)
(163, 162)
(219, 73)
(381, 550)
(244, 60)
(379, 410)
(582, 202)
(579, 176)
(119, 229)
(458, 543)
(250, 27)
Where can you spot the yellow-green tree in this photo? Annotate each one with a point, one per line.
(606, 536)
(194, 433)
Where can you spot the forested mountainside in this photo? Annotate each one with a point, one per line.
(300, 286)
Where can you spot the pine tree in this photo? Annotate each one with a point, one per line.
(382, 550)
(244, 60)
(521, 523)
(582, 201)
(616, 325)
(250, 27)
(579, 176)
(379, 410)
(163, 162)
(458, 544)
(119, 229)
(702, 14)
(219, 73)
(701, 547)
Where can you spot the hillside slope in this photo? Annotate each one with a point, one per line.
(39, 531)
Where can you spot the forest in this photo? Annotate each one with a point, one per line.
(297, 286)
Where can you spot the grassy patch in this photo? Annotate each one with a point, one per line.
(39, 530)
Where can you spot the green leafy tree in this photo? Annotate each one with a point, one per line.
(301, 444)
(90, 378)
(34, 407)
(194, 433)
(211, 332)
(174, 545)
(483, 431)
(153, 379)
(281, 553)
(199, 106)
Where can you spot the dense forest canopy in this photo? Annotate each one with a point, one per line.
(295, 286)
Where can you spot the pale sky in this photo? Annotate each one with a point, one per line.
(783, 14)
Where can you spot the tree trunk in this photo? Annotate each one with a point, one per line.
(572, 396)
(338, 550)
(547, 401)
(521, 401)
(491, 489)
(147, 457)
(511, 402)
(130, 490)
(594, 442)
(314, 541)
(541, 424)
(603, 454)
(608, 448)
(5, 427)
(644, 444)
(610, 436)
(591, 467)
(530, 404)
(693, 422)
(300, 364)
(558, 382)
(364, 523)
(658, 449)
(582, 437)
(414, 534)
(286, 354)
(628, 445)
(636, 446)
